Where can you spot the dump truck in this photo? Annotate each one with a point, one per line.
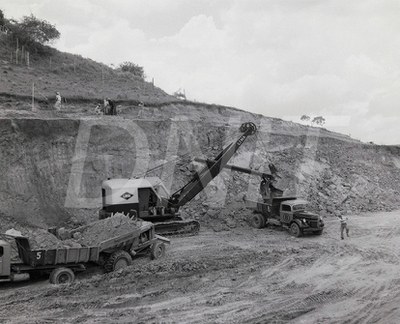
(112, 254)
(148, 198)
(288, 212)
(274, 209)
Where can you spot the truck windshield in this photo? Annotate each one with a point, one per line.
(299, 207)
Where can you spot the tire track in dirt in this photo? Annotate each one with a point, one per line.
(247, 276)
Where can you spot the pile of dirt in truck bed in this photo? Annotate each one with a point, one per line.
(102, 230)
(40, 238)
(88, 235)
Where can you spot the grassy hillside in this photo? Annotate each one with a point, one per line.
(72, 75)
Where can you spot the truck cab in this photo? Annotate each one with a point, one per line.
(294, 214)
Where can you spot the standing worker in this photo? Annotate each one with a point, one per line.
(57, 104)
(106, 107)
(343, 226)
(113, 109)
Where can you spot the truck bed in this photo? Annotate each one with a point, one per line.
(42, 257)
(269, 208)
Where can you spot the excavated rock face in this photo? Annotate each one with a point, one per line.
(52, 169)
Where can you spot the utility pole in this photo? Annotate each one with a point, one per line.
(102, 79)
(33, 97)
(16, 52)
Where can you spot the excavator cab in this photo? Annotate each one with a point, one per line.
(132, 196)
(148, 201)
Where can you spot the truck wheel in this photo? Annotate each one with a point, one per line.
(62, 276)
(295, 230)
(318, 232)
(258, 221)
(118, 260)
(157, 250)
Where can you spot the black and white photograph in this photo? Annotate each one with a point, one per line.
(204, 161)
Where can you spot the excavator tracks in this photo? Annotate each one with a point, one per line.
(178, 228)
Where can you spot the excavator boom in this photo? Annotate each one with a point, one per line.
(142, 198)
(211, 169)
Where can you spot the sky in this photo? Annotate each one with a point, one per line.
(338, 59)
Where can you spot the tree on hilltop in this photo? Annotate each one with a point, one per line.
(2, 18)
(319, 120)
(132, 68)
(305, 118)
(31, 31)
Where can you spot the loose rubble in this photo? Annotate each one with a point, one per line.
(102, 230)
(89, 235)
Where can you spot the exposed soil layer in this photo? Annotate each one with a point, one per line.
(53, 166)
(239, 276)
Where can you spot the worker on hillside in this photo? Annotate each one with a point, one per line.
(343, 226)
(113, 109)
(106, 107)
(57, 104)
(98, 110)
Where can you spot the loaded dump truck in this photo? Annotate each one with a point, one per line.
(61, 264)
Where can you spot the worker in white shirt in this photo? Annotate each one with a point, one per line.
(343, 226)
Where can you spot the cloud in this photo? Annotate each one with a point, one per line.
(276, 57)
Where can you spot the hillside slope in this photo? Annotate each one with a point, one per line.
(72, 75)
(53, 162)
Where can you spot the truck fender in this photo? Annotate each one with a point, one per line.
(298, 222)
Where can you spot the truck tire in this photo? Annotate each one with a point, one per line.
(295, 230)
(258, 221)
(117, 260)
(62, 276)
(318, 232)
(157, 250)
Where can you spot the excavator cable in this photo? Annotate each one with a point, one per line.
(272, 168)
(167, 162)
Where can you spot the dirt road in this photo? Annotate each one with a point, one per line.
(241, 276)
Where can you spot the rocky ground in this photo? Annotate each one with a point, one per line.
(238, 276)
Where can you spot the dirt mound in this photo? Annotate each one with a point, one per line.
(42, 239)
(89, 235)
(102, 230)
